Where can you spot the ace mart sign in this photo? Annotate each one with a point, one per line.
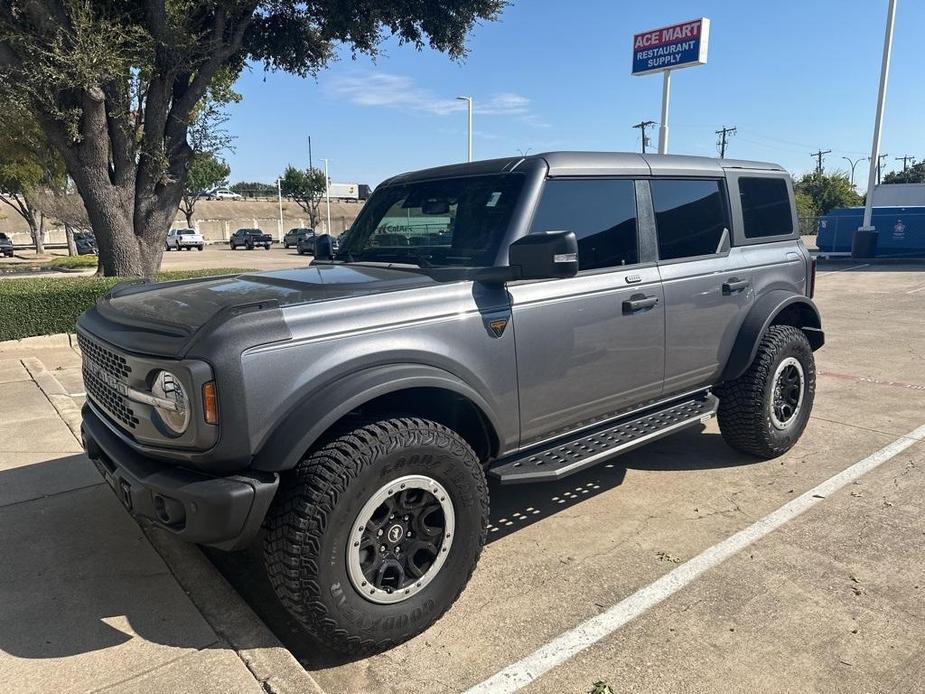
(672, 47)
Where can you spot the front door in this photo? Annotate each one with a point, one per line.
(590, 345)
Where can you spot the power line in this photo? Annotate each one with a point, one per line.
(880, 159)
(819, 154)
(723, 133)
(905, 159)
(642, 126)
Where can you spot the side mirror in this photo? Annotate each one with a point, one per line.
(324, 247)
(548, 255)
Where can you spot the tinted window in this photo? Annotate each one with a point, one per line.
(446, 222)
(690, 216)
(765, 207)
(602, 213)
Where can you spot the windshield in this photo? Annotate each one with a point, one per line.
(449, 222)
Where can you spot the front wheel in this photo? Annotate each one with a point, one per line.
(375, 534)
(766, 409)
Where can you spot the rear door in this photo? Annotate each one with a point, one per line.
(708, 290)
(590, 345)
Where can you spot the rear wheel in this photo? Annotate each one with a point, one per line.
(200, 246)
(374, 535)
(764, 411)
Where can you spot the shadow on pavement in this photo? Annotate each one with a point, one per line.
(77, 574)
(513, 508)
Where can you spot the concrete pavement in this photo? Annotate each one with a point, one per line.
(86, 603)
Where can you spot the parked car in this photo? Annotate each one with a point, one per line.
(85, 243)
(250, 239)
(557, 310)
(6, 245)
(184, 239)
(222, 194)
(306, 244)
(292, 236)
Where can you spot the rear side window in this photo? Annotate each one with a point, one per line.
(690, 216)
(601, 212)
(765, 207)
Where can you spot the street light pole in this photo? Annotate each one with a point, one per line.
(853, 163)
(865, 231)
(327, 195)
(468, 100)
(279, 193)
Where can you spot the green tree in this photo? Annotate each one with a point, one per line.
(828, 191)
(306, 187)
(27, 166)
(115, 85)
(913, 174)
(206, 171)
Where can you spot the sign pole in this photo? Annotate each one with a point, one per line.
(663, 127)
(866, 229)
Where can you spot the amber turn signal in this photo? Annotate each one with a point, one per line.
(209, 403)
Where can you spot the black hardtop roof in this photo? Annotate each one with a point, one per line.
(594, 163)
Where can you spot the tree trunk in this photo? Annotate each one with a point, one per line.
(71, 243)
(188, 213)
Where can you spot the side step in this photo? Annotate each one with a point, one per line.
(562, 458)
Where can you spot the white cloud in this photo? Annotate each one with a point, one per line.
(379, 89)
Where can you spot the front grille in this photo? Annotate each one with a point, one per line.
(104, 358)
(109, 398)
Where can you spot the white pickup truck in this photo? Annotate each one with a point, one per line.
(178, 239)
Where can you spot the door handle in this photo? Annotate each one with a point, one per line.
(639, 302)
(734, 285)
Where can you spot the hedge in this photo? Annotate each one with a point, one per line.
(46, 305)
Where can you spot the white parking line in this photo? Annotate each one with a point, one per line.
(842, 269)
(916, 290)
(586, 634)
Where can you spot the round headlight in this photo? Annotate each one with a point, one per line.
(174, 416)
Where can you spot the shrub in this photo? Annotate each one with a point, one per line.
(47, 305)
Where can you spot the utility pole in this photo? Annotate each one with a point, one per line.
(880, 165)
(309, 151)
(723, 133)
(854, 162)
(642, 125)
(821, 153)
(905, 159)
(279, 193)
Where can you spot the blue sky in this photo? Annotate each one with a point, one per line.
(792, 75)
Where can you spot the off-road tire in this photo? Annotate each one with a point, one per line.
(310, 523)
(745, 403)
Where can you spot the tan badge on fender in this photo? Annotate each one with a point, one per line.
(497, 326)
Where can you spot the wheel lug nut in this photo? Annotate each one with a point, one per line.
(379, 533)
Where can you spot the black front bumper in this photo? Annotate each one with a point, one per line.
(225, 512)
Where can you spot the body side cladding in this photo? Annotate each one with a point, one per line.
(776, 307)
(319, 410)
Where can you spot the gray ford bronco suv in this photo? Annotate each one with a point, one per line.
(520, 319)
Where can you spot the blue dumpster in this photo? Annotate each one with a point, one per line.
(901, 230)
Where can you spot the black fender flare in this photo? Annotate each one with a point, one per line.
(323, 407)
(800, 312)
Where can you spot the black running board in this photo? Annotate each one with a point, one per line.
(565, 457)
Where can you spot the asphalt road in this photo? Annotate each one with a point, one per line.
(832, 599)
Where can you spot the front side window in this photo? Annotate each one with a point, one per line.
(452, 222)
(601, 212)
(690, 217)
(765, 207)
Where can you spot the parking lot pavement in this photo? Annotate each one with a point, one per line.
(219, 255)
(778, 616)
(86, 604)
